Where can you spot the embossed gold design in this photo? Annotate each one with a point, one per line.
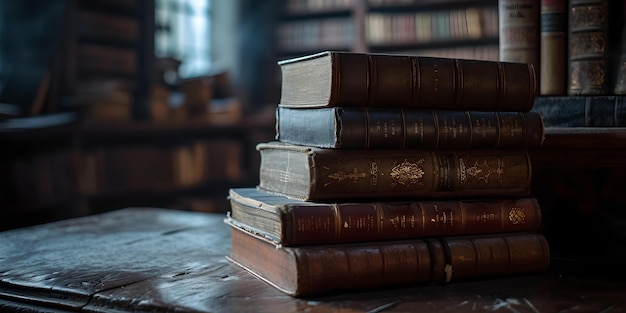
(407, 173)
(355, 175)
(480, 172)
(589, 16)
(590, 73)
(517, 215)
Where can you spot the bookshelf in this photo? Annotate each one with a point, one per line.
(91, 167)
(107, 138)
(109, 59)
(452, 28)
(463, 28)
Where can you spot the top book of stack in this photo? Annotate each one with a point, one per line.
(334, 79)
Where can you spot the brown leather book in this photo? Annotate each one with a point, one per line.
(591, 42)
(318, 269)
(290, 222)
(310, 173)
(331, 78)
(372, 128)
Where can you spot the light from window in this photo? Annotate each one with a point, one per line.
(183, 32)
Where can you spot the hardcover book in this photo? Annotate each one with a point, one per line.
(592, 37)
(331, 78)
(307, 270)
(553, 48)
(288, 222)
(397, 128)
(582, 111)
(519, 31)
(309, 173)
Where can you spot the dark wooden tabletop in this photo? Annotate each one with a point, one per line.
(158, 260)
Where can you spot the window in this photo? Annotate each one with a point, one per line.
(183, 32)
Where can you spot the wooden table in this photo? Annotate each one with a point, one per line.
(158, 260)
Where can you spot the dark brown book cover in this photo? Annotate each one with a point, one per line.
(290, 222)
(373, 128)
(318, 269)
(331, 78)
(310, 173)
(592, 40)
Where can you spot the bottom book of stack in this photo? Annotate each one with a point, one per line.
(371, 245)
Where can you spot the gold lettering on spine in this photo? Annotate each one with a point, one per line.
(486, 217)
(442, 218)
(436, 79)
(374, 175)
(340, 176)
(386, 128)
(419, 128)
(367, 223)
(482, 125)
(402, 222)
(313, 224)
(510, 127)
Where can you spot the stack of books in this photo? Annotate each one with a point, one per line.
(391, 170)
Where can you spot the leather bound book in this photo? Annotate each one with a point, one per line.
(553, 69)
(519, 31)
(582, 111)
(333, 79)
(322, 269)
(373, 128)
(590, 45)
(290, 222)
(620, 81)
(309, 173)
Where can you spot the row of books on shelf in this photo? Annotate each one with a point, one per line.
(313, 6)
(307, 6)
(575, 45)
(473, 52)
(391, 28)
(395, 170)
(207, 98)
(154, 168)
(331, 32)
(432, 26)
(61, 174)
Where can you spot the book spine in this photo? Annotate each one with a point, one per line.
(372, 128)
(620, 81)
(361, 267)
(588, 47)
(489, 256)
(519, 31)
(358, 222)
(431, 83)
(334, 174)
(308, 270)
(582, 111)
(553, 45)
